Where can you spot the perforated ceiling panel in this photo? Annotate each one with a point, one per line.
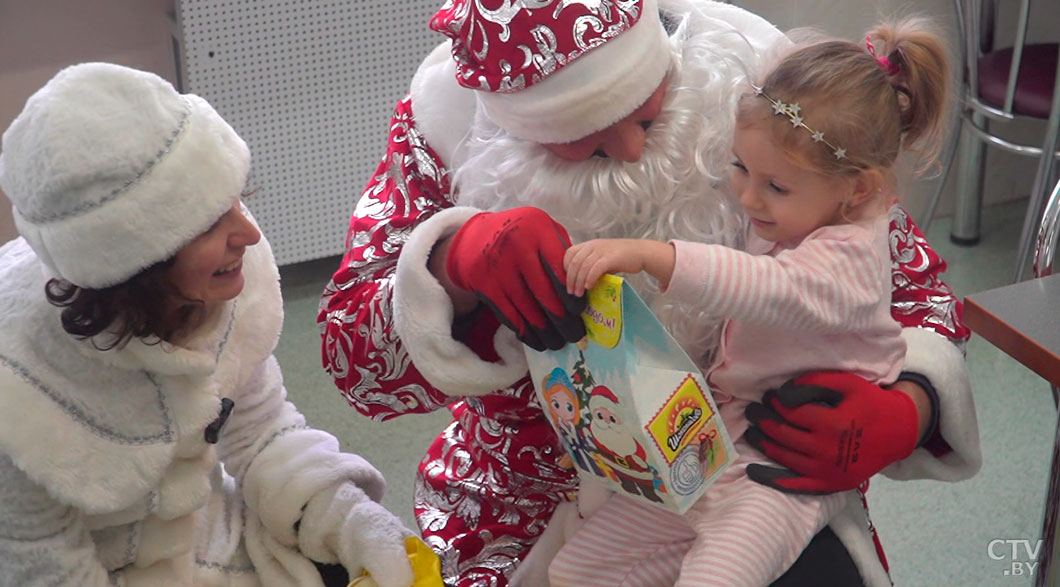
(310, 85)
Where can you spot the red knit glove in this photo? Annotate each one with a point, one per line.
(513, 261)
(832, 431)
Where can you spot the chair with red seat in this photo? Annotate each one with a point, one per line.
(999, 85)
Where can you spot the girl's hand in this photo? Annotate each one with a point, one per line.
(585, 263)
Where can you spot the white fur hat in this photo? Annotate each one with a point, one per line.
(110, 171)
(615, 54)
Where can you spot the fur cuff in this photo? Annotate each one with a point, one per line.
(292, 469)
(941, 362)
(423, 318)
(322, 518)
(277, 564)
(849, 526)
(373, 538)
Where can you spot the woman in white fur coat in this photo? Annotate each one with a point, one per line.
(145, 438)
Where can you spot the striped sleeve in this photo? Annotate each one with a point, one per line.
(824, 284)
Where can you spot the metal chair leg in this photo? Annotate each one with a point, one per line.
(950, 150)
(1046, 165)
(1048, 573)
(1047, 240)
(969, 203)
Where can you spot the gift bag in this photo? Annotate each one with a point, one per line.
(629, 406)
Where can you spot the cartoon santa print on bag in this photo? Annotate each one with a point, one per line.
(618, 447)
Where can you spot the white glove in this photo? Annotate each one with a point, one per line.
(343, 525)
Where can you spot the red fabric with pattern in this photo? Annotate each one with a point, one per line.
(504, 46)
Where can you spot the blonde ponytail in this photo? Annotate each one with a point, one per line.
(922, 81)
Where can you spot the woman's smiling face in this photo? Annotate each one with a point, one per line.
(209, 268)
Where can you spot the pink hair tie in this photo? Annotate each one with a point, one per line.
(890, 68)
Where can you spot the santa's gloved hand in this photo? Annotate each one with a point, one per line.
(343, 525)
(831, 432)
(513, 262)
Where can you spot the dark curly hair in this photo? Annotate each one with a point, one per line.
(134, 308)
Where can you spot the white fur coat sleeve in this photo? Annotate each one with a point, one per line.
(279, 462)
(942, 363)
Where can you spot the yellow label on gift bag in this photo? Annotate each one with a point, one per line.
(680, 419)
(603, 315)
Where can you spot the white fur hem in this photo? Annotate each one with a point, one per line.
(933, 356)
(293, 468)
(851, 527)
(423, 318)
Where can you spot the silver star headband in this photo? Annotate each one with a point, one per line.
(792, 112)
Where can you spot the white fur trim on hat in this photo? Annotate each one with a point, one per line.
(592, 92)
(110, 171)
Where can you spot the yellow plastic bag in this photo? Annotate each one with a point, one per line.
(426, 568)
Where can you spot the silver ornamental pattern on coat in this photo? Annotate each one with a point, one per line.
(390, 361)
(909, 253)
(606, 19)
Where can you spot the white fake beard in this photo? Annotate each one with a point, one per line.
(679, 189)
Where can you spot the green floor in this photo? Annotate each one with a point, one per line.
(935, 534)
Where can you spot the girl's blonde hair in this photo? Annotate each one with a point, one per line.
(850, 96)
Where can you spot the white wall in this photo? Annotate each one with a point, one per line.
(40, 37)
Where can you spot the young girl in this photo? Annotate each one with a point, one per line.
(813, 156)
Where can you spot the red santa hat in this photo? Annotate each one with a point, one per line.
(615, 53)
(602, 397)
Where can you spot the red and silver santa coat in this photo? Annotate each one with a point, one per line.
(490, 482)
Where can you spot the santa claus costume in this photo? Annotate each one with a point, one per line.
(468, 138)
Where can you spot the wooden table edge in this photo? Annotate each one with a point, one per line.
(1015, 344)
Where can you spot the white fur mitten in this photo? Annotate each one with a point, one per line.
(343, 525)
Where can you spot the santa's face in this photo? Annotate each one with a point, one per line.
(663, 173)
(622, 141)
(677, 188)
(609, 431)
